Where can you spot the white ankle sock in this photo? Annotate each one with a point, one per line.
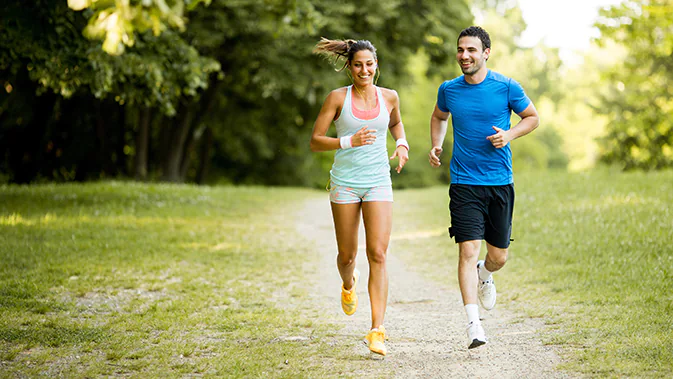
(472, 313)
(484, 274)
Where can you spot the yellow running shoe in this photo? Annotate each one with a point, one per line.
(375, 340)
(349, 299)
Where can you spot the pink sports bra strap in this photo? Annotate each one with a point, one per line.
(368, 114)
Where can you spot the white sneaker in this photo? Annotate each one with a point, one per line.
(487, 293)
(475, 335)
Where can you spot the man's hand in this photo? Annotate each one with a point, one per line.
(500, 139)
(435, 152)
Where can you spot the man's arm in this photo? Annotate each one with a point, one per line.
(529, 121)
(438, 127)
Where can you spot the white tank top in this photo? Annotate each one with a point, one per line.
(363, 166)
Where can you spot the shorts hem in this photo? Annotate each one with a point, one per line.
(499, 247)
(470, 238)
(346, 202)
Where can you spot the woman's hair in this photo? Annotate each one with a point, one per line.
(342, 49)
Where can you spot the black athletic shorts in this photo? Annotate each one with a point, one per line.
(481, 213)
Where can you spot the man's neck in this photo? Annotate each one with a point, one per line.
(477, 77)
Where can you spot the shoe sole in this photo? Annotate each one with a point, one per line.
(377, 353)
(486, 308)
(476, 343)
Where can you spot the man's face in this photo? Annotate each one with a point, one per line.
(470, 55)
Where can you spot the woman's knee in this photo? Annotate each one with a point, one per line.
(376, 255)
(346, 258)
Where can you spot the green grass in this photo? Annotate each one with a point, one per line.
(142, 280)
(133, 280)
(592, 256)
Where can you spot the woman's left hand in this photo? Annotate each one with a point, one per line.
(402, 153)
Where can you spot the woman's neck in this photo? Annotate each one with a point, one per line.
(367, 94)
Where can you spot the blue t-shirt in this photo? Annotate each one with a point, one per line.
(475, 109)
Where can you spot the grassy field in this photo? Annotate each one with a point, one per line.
(121, 279)
(592, 256)
(142, 280)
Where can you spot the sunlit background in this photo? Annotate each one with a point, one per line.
(215, 92)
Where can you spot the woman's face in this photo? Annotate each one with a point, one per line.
(363, 67)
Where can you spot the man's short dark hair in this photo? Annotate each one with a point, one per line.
(479, 32)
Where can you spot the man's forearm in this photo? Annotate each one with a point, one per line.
(525, 126)
(437, 131)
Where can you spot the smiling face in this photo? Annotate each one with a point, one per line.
(363, 67)
(471, 55)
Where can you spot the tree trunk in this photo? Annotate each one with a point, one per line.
(192, 139)
(142, 144)
(204, 106)
(120, 154)
(175, 150)
(25, 152)
(204, 155)
(101, 151)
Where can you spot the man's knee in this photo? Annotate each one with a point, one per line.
(469, 250)
(496, 257)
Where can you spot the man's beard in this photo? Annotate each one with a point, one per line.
(472, 70)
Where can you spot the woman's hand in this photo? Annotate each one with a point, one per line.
(363, 136)
(402, 153)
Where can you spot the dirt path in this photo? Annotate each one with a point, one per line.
(425, 321)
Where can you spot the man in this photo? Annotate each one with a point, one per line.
(480, 103)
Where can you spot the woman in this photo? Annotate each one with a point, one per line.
(360, 175)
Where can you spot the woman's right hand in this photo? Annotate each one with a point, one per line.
(363, 136)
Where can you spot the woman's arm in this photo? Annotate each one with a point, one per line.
(328, 112)
(397, 129)
(319, 140)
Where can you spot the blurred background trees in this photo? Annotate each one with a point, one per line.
(637, 96)
(227, 92)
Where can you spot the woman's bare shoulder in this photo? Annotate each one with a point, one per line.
(391, 97)
(390, 94)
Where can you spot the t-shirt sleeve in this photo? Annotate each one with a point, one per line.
(518, 100)
(441, 98)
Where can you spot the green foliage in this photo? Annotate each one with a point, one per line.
(45, 40)
(117, 22)
(273, 85)
(257, 112)
(159, 72)
(637, 99)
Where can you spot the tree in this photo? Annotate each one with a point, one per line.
(45, 61)
(117, 22)
(273, 85)
(236, 93)
(637, 99)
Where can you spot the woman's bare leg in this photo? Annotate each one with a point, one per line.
(378, 221)
(346, 223)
